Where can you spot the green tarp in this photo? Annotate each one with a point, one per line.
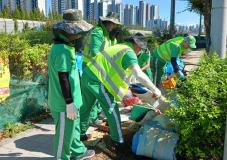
(27, 98)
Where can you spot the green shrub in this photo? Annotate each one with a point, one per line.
(30, 62)
(37, 37)
(26, 58)
(201, 113)
(152, 43)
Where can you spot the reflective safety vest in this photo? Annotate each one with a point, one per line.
(107, 67)
(164, 51)
(105, 44)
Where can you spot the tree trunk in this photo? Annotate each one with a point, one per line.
(207, 23)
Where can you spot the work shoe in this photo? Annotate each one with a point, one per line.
(118, 148)
(86, 155)
(85, 137)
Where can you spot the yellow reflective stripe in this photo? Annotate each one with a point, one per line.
(113, 59)
(161, 55)
(106, 77)
(167, 49)
(114, 65)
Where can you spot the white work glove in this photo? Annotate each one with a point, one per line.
(142, 77)
(71, 111)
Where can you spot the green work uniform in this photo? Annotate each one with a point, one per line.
(143, 59)
(67, 132)
(162, 55)
(98, 40)
(93, 89)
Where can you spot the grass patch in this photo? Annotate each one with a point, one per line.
(12, 129)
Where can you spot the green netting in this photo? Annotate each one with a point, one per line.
(26, 99)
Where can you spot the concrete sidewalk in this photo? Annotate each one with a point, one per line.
(191, 60)
(36, 144)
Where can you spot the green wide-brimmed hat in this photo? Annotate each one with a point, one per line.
(139, 39)
(112, 17)
(73, 22)
(191, 41)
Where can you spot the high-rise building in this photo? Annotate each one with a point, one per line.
(91, 12)
(157, 24)
(142, 13)
(113, 6)
(27, 5)
(40, 4)
(154, 12)
(103, 7)
(120, 11)
(96, 11)
(148, 12)
(60, 5)
(77, 4)
(1, 7)
(126, 15)
(11, 4)
(87, 9)
(137, 15)
(132, 15)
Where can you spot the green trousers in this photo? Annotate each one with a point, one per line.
(92, 91)
(96, 109)
(157, 69)
(67, 137)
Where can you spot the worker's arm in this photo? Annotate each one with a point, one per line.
(142, 78)
(65, 86)
(71, 109)
(176, 68)
(146, 66)
(176, 52)
(174, 64)
(63, 66)
(97, 39)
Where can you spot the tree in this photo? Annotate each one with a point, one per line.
(16, 14)
(23, 13)
(6, 12)
(50, 15)
(27, 15)
(202, 7)
(43, 18)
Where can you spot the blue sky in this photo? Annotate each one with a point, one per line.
(186, 18)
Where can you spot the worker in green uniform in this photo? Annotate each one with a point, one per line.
(106, 78)
(98, 40)
(144, 63)
(64, 94)
(168, 52)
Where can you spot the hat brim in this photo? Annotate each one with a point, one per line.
(73, 27)
(140, 42)
(111, 20)
(141, 45)
(193, 46)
